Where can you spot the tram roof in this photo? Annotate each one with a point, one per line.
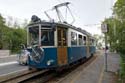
(60, 24)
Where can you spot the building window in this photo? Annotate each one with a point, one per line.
(73, 38)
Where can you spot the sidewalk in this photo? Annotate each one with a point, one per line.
(6, 53)
(113, 65)
(10, 58)
(95, 72)
(13, 55)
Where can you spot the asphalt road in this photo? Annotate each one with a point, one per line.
(10, 65)
(11, 68)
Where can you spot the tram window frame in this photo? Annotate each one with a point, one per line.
(90, 41)
(49, 41)
(84, 40)
(80, 40)
(33, 35)
(93, 42)
(73, 39)
(35, 31)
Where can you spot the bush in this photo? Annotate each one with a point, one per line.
(122, 68)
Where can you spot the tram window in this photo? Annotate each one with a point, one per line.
(33, 38)
(73, 38)
(64, 38)
(93, 42)
(33, 35)
(89, 41)
(59, 37)
(84, 40)
(80, 40)
(47, 38)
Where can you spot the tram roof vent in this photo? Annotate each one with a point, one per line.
(35, 18)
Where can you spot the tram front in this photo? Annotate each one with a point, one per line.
(40, 36)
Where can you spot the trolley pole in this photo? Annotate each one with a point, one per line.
(105, 30)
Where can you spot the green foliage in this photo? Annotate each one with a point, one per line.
(99, 41)
(18, 36)
(116, 25)
(116, 34)
(11, 38)
(2, 21)
(2, 29)
(119, 9)
(122, 65)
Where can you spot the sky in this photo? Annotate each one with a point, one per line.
(88, 14)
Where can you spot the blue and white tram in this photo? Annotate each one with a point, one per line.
(54, 45)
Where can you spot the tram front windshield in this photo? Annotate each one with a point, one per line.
(46, 37)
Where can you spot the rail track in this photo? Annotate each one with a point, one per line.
(41, 76)
(64, 75)
(57, 77)
(17, 77)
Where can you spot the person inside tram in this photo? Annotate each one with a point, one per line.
(47, 38)
(43, 36)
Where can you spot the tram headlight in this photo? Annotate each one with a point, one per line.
(50, 62)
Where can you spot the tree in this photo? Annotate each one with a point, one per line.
(119, 13)
(11, 38)
(99, 41)
(119, 10)
(18, 37)
(116, 34)
(9, 21)
(25, 23)
(113, 32)
(2, 26)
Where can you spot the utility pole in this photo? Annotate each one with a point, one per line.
(105, 30)
(106, 53)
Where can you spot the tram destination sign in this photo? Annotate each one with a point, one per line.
(104, 28)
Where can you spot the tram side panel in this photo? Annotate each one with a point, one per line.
(92, 50)
(92, 46)
(76, 53)
(48, 60)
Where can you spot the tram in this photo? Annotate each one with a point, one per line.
(57, 44)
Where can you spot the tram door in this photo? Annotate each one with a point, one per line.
(62, 46)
